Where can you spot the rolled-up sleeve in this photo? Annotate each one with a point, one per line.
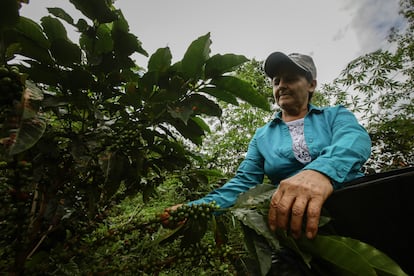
(349, 149)
(249, 174)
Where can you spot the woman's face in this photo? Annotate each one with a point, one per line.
(291, 90)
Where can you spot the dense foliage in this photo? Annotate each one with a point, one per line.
(378, 87)
(95, 146)
(83, 126)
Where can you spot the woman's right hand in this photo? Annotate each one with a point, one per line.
(165, 217)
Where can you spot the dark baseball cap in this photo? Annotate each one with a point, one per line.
(278, 62)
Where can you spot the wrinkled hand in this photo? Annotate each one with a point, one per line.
(302, 193)
(165, 217)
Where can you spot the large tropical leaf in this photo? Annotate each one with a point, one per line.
(195, 57)
(191, 130)
(63, 50)
(32, 31)
(28, 48)
(259, 250)
(353, 256)
(125, 43)
(160, 61)
(96, 10)
(220, 94)
(201, 123)
(53, 28)
(43, 73)
(242, 90)
(104, 42)
(255, 197)
(202, 105)
(31, 124)
(114, 165)
(84, 78)
(62, 14)
(220, 64)
(193, 105)
(120, 26)
(27, 39)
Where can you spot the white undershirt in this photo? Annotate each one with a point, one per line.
(300, 149)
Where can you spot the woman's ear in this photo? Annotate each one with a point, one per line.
(313, 84)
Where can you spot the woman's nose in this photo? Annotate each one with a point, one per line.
(282, 82)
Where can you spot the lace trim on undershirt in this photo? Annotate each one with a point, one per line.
(300, 148)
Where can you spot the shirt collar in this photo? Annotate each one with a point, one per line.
(312, 109)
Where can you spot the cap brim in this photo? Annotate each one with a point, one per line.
(277, 63)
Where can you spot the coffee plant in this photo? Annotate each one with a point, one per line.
(84, 130)
(11, 85)
(83, 127)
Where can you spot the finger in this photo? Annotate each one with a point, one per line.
(173, 208)
(296, 220)
(272, 209)
(313, 215)
(283, 211)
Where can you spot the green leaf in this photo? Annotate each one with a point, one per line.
(69, 268)
(114, 167)
(32, 124)
(165, 96)
(65, 52)
(96, 10)
(191, 130)
(257, 222)
(32, 97)
(255, 196)
(195, 57)
(193, 105)
(53, 28)
(29, 132)
(199, 104)
(220, 94)
(126, 44)
(351, 255)
(194, 231)
(243, 90)
(84, 79)
(219, 64)
(201, 123)
(169, 236)
(60, 13)
(220, 230)
(9, 14)
(32, 50)
(121, 24)
(104, 42)
(82, 25)
(182, 112)
(42, 73)
(259, 249)
(160, 61)
(32, 31)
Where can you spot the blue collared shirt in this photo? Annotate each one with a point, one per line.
(337, 143)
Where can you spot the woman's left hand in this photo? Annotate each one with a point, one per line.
(302, 193)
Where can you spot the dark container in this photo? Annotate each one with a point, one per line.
(378, 209)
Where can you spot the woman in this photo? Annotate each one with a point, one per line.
(306, 151)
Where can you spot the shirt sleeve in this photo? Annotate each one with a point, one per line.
(348, 151)
(249, 174)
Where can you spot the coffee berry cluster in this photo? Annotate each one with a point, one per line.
(11, 85)
(195, 212)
